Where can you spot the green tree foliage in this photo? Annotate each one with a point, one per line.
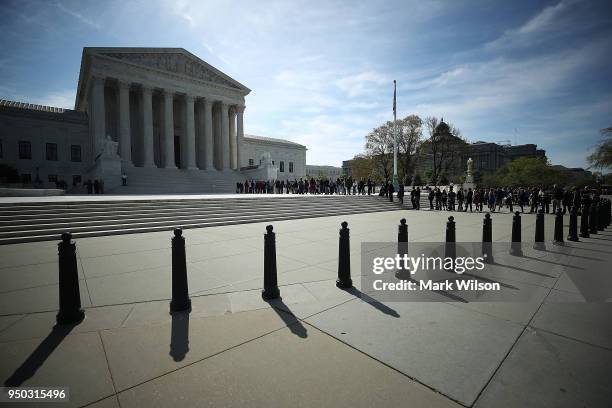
(602, 156)
(525, 171)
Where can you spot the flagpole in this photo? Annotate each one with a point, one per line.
(395, 183)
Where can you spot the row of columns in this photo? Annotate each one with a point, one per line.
(231, 118)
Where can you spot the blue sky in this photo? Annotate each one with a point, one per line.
(321, 73)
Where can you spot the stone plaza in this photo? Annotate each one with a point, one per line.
(318, 345)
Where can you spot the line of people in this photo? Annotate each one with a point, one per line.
(529, 199)
(340, 186)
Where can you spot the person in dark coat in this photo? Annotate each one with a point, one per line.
(96, 185)
(469, 198)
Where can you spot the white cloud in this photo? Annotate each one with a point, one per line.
(83, 19)
(361, 83)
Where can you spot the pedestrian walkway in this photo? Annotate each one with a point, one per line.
(318, 345)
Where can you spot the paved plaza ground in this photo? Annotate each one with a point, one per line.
(318, 346)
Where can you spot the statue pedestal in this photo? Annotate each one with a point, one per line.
(107, 169)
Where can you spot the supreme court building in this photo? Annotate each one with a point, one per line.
(163, 116)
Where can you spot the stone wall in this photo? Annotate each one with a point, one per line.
(279, 152)
(39, 128)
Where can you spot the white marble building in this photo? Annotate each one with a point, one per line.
(161, 115)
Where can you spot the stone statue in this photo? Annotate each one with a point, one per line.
(469, 178)
(266, 159)
(110, 148)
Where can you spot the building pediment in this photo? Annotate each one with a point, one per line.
(179, 62)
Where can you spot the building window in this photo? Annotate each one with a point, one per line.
(75, 153)
(251, 162)
(282, 167)
(26, 178)
(76, 179)
(290, 167)
(52, 178)
(52, 151)
(25, 150)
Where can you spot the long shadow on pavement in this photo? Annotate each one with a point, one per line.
(39, 355)
(370, 300)
(179, 337)
(292, 322)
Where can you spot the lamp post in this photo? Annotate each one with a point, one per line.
(395, 182)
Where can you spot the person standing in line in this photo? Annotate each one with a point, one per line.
(123, 179)
(96, 186)
(369, 186)
(431, 197)
(400, 194)
(468, 199)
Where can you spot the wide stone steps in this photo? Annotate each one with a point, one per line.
(155, 180)
(46, 221)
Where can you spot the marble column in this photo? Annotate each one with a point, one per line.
(147, 127)
(209, 163)
(225, 148)
(124, 123)
(168, 156)
(199, 123)
(190, 132)
(98, 114)
(239, 134)
(232, 136)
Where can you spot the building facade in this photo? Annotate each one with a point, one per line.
(288, 157)
(139, 108)
(329, 172)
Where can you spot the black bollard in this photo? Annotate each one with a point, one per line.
(593, 219)
(70, 311)
(515, 246)
(584, 222)
(180, 293)
(558, 236)
(270, 290)
(344, 259)
(487, 238)
(539, 232)
(573, 226)
(450, 247)
(402, 248)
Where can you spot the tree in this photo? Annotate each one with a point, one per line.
(446, 148)
(524, 172)
(379, 146)
(409, 135)
(602, 156)
(362, 166)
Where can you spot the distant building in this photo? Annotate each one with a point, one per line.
(330, 172)
(575, 173)
(488, 156)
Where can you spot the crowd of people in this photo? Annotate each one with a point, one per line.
(341, 185)
(451, 198)
(527, 199)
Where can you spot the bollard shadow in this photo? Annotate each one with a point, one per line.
(179, 336)
(291, 321)
(580, 248)
(551, 262)
(38, 357)
(370, 300)
(599, 237)
(573, 255)
(524, 270)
